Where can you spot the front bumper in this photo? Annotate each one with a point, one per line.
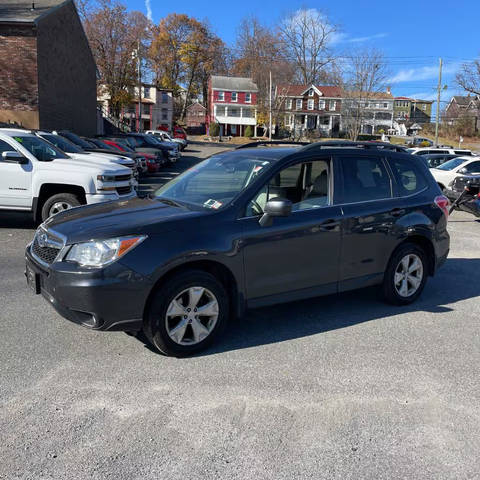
(112, 298)
(102, 197)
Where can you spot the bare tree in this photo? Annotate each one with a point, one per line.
(364, 79)
(306, 36)
(468, 77)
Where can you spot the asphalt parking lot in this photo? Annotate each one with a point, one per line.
(339, 387)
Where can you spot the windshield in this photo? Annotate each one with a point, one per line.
(76, 140)
(39, 148)
(214, 182)
(61, 143)
(451, 164)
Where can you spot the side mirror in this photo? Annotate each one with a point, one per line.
(14, 157)
(463, 171)
(278, 207)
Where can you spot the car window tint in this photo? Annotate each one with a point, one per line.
(409, 177)
(5, 147)
(365, 179)
(306, 185)
(473, 167)
(463, 152)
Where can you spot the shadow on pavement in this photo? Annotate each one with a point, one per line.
(457, 280)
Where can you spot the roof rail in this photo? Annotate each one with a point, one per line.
(271, 142)
(372, 145)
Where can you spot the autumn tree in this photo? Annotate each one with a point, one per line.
(306, 37)
(364, 79)
(184, 53)
(114, 34)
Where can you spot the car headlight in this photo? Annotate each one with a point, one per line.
(106, 178)
(99, 253)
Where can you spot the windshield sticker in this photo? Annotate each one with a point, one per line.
(18, 139)
(212, 204)
(257, 169)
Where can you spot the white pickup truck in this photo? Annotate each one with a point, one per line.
(36, 176)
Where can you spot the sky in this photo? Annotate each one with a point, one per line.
(413, 35)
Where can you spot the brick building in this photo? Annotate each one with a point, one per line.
(232, 103)
(195, 118)
(311, 107)
(47, 70)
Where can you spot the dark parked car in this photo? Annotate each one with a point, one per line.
(142, 142)
(433, 160)
(245, 228)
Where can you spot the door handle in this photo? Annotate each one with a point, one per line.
(329, 224)
(397, 212)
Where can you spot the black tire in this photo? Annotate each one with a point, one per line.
(155, 325)
(388, 287)
(67, 198)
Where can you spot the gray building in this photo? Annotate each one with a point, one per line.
(47, 70)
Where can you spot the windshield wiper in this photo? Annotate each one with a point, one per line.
(172, 203)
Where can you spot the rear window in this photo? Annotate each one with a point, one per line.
(463, 152)
(409, 176)
(365, 179)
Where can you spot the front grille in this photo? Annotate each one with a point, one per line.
(45, 247)
(124, 190)
(123, 178)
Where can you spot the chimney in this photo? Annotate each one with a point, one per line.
(389, 91)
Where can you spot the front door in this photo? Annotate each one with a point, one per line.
(297, 256)
(15, 182)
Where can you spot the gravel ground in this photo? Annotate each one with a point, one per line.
(340, 387)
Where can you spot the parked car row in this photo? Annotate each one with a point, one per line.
(46, 172)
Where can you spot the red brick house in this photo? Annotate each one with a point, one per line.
(195, 118)
(232, 103)
(311, 107)
(48, 73)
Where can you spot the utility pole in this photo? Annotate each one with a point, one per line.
(139, 75)
(439, 92)
(270, 110)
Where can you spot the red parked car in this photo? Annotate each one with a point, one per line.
(179, 132)
(152, 165)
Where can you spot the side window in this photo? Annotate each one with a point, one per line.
(364, 179)
(409, 177)
(473, 167)
(5, 147)
(306, 185)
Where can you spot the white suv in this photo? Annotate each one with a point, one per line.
(447, 172)
(36, 176)
(439, 150)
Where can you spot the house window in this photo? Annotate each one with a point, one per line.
(289, 103)
(310, 92)
(299, 104)
(248, 98)
(385, 105)
(164, 114)
(164, 97)
(221, 96)
(234, 96)
(146, 92)
(310, 104)
(332, 105)
(321, 104)
(424, 106)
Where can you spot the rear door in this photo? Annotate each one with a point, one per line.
(369, 216)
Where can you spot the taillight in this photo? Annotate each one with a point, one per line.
(442, 203)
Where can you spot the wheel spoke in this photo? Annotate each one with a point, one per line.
(199, 330)
(178, 332)
(175, 309)
(194, 295)
(398, 278)
(404, 288)
(210, 309)
(414, 281)
(414, 266)
(405, 262)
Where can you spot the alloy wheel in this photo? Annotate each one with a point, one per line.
(191, 316)
(58, 207)
(408, 275)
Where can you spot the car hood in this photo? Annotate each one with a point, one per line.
(79, 165)
(138, 216)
